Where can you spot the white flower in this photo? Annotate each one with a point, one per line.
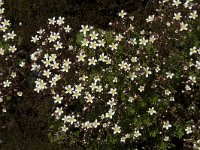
(5, 22)
(4, 110)
(60, 20)
(89, 98)
(2, 9)
(6, 83)
(59, 111)
(123, 139)
(134, 59)
(166, 138)
(22, 64)
(19, 93)
(67, 29)
(11, 35)
(94, 35)
(115, 80)
(167, 92)
(166, 125)
(124, 65)
(187, 87)
(92, 61)
(3, 28)
(13, 74)
(65, 119)
(5, 37)
(152, 39)
(133, 41)
(132, 76)
(81, 57)
(188, 130)
(76, 94)
(85, 42)
(169, 75)
(84, 29)
(193, 50)
(113, 46)
(122, 14)
(131, 17)
(99, 88)
(1, 2)
(193, 15)
(119, 37)
(52, 21)
(101, 42)
(41, 31)
(117, 129)
(93, 86)
(176, 2)
(40, 85)
(110, 114)
(95, 124)
(93, 45)
(172, 99)
(87, 125)
(147, 71)
(12, 49)
(150, 18)
(64, 128)
(35, 39)
(151, 111)
(141, 88)
(55, 65)
(111, 102)
(131, 99)
(83, 78)
(71, 119)
(136, 133)
(143, 41)
(157, 69)
(177, 16)
(108, 61)
(57, 99)
(183, 26)
(58, 45)
(79, 87)
(52, 37)
(2, 51)
(102, 57)
(113, 91)
(34, 66)
(47, 73)
(193, 79)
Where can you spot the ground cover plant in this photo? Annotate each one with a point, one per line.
(27, 119)
(10, 63)
(128, 86)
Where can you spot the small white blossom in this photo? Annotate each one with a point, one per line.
(150, 18)
(122, 14)
(151, 111)
(188, 130)
(136, 133)
(116, 129)
(183, 26)
(167, 125)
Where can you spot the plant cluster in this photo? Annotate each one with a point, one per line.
(126, 85)
(9, 62)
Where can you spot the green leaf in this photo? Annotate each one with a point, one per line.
(79, 38)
